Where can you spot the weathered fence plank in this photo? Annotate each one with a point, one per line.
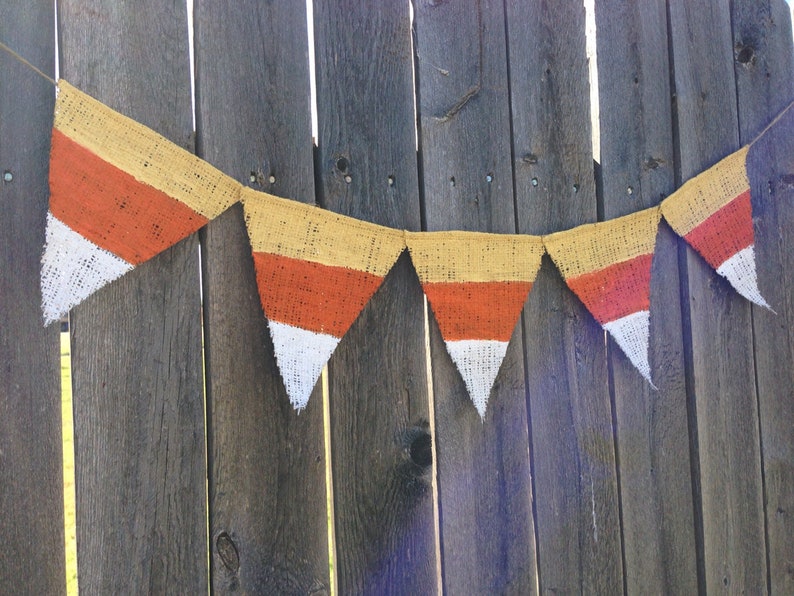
(377, 378)
(764, 66)
(31, 477)
(576, 499)
(485, 491)
(267, 462)
(717, 319)
(136, 345)
(637, 171)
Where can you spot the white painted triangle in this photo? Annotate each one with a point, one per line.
(632, 334)
(301, 356)
(740, 271)
(73, 268)
(478, 361)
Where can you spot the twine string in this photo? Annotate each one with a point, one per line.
(28, 64)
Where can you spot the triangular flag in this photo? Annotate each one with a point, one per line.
(608, 266)
(119, 194)
(476, 284)
(316, 270)
(712, 212)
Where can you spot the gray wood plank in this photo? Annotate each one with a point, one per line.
(576, 496)
(267, 462)
(717, 319)
(31, 476)
(487, 529)
(657, 510)
(136, 345)
(377, 378)
(764, 67)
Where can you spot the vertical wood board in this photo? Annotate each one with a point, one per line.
(31, 475)
(637, 171)
(377, 377)
(764, 67)
(268, 521)
(136, 344)
(485, 491)
(576, 498)
(716, 317)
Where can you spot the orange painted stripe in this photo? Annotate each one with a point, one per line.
(312, 296)
(477, 310)
(615, 291)
(111, 208)
(725, 232)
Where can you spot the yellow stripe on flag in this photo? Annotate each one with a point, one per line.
(706, 193)
(299, 231)
(593, 247)
(144, 154)
(441, 257)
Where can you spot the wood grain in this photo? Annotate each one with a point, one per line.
(377, 379)
(637, 171)
(268, 520)
(717, 320)
(136, 345)
(31, 476)
(576, 496)
(485, 487)
(764, 67)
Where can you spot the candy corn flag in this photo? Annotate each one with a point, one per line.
(316, 270)
(476, 285)
(712, 212)
(608, 266)
(119, 194)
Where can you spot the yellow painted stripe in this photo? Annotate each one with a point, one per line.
(299, 231)
(144, 154)
(706, 193)
(593, 247)
(440, 257)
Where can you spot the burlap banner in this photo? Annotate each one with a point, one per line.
(121, 193)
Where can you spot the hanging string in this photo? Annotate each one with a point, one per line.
(771, 124)
(28, 64)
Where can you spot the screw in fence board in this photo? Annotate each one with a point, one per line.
(764, 67)
(485, 489)
(576, 497)
(136, 351)
(377, 377)
(266, 461)
(31, 476)
(717, 320)
(652, 433)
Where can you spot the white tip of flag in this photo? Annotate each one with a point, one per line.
(301, 356)
(478, 362)
(740, 271)
(73, 268)
(632, 334)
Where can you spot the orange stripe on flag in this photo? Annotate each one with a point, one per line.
(312, 296)
(611, 293)
(477, 310)
(111, 208)
(725, 232)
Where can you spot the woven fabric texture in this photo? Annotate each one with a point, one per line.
(142, 153)
(608, 266)
(707, 192)
(315, 270)
(476, 284)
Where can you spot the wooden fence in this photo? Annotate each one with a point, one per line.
(193, 473)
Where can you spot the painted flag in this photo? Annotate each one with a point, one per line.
(476, 284)
(608, 266)
(316, 270)
(712, 212)
(119, 194)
